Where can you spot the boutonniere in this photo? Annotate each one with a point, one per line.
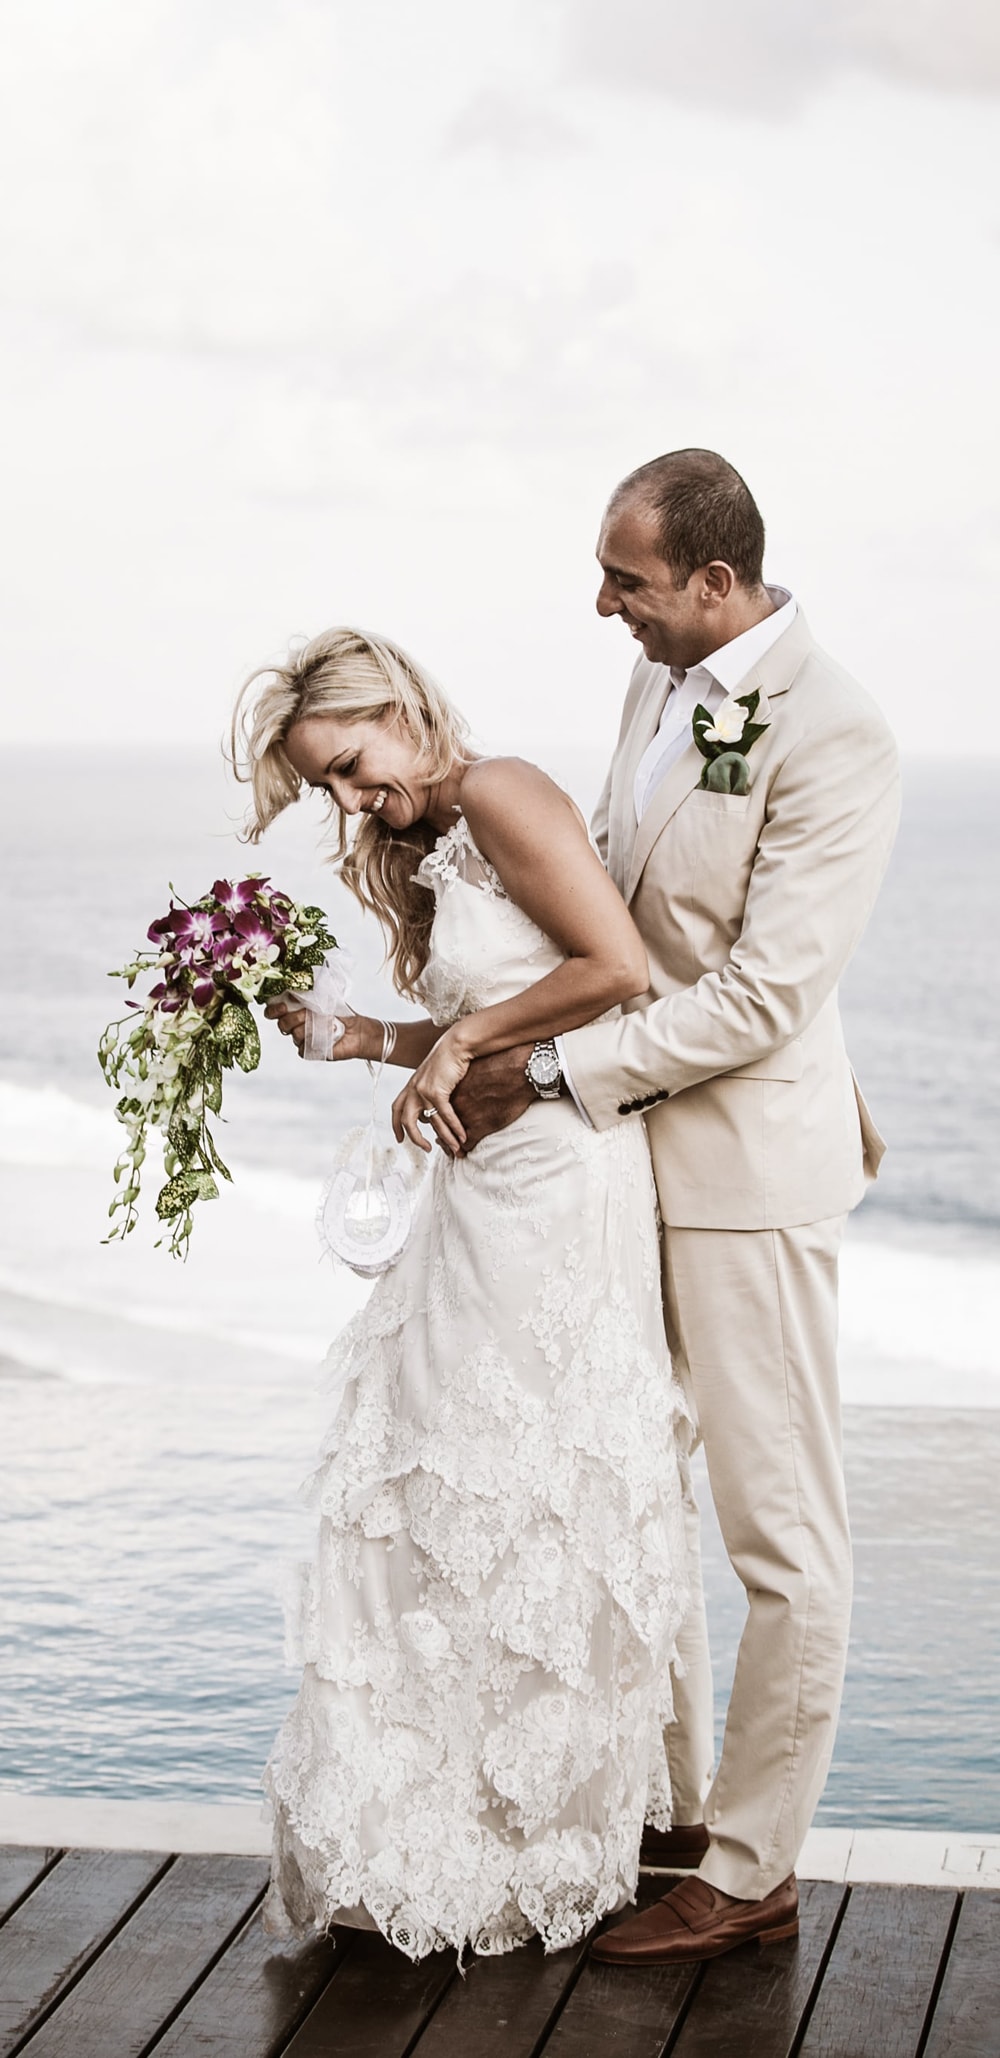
(724, 739)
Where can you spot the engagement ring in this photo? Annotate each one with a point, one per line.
(426, 1115)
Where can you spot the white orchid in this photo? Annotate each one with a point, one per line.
(730, 721)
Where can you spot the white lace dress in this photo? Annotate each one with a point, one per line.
(499, 1576)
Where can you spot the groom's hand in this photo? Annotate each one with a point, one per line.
(493, 1094)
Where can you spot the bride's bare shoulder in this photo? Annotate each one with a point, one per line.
(496, 791)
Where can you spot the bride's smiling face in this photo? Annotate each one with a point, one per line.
(369, 767)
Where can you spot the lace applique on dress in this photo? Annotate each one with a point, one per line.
(455, 857)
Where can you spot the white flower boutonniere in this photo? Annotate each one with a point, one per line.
(724, 740)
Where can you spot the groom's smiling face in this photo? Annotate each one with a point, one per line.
(676, 625)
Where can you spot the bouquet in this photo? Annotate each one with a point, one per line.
(243, 942)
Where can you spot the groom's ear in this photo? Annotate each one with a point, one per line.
(717, 580)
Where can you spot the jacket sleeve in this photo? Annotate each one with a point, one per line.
(832, 813)
(600, 817)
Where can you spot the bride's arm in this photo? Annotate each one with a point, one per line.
(363, 1036)
(536, 840)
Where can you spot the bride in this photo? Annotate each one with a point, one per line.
(499, 1576)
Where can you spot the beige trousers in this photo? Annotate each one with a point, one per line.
(752, 1325)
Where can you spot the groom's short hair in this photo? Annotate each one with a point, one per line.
(703, 510)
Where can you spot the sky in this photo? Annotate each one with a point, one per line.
(312, 312)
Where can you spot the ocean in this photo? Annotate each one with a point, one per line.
(156, 1418)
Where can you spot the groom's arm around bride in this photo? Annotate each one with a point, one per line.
(750, 895)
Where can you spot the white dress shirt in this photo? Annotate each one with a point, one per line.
(707, 685)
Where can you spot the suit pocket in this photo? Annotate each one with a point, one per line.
(786, 1063)
(702, 802)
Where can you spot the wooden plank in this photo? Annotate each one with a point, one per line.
(615, 2012)
(752, 2002)
(377, 2006)
(966, 2020)
(502, 2007)
(61, 1925)
(612, 2009)
(255, 1997)
(154, 1961)
(880, 1980)
(21, 1867)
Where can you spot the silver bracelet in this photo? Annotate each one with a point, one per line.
(376, 1066)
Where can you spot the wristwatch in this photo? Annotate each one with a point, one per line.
(544, 1072)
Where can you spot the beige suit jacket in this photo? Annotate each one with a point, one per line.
(750, 907)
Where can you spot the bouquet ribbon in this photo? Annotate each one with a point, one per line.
(323, 1002)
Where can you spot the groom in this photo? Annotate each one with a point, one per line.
(750, 893)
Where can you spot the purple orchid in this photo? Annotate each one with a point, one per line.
(204, 991)
(195, 928)
(254, 931)
(224, 949)
(235, 896)
(187, 928)
(279, 908)
(172, 990)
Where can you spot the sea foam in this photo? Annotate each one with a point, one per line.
(918, 1324)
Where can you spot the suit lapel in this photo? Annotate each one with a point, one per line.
(674, 787)
(622, 823)
(774, 672)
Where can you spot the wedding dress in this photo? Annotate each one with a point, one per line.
(499, 1575)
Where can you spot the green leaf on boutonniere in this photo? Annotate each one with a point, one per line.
(700, 721)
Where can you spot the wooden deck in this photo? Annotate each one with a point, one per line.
(117, 1954)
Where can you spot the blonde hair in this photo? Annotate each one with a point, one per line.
(356, 677)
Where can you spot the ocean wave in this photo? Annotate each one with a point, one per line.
(918, 1324)
(169, 1320)
(46, 1128)
(255, 1291)
(42, 1125)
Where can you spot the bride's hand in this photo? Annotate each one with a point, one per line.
(430, 1089)
(362, 1037)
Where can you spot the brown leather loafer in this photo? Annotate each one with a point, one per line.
(680, 1849)
(696, 1921)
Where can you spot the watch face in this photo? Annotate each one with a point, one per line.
(544, 1067)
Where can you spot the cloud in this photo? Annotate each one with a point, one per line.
(767, 56)
(512, 126)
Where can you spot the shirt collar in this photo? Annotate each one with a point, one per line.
(729, 665)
